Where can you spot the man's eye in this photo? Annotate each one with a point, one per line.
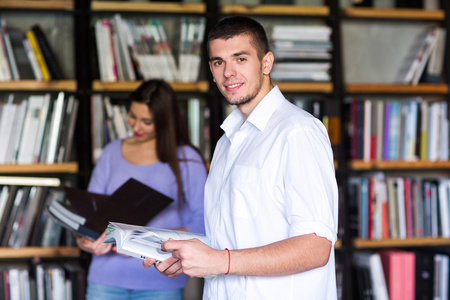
(217, 63)
(241, 59)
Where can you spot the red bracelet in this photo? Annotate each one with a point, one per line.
(229, 261)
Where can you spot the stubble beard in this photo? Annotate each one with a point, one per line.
(247, 98)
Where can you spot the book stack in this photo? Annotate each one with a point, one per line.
(425, 59)
(411, 129)
(131, 49)
(109, 122)
(23, 220)
(26, 55)
(42, 281)
(397, 207)
(37, 129)
(302, 52)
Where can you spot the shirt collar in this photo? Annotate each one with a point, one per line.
(259, 117)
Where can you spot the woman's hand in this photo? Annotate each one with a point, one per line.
(95, 247)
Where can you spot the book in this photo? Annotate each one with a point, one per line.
(9, 51)
(48, 54)
(372, 261)
(399, 271)
(145, 242)
(88, 214)
(38, 54)
(424, 274)
(30, 129)
(7, 120)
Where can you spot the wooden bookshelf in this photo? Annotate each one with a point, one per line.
(386, 88)
(160, 7)
(399, 13)
(313, 87)
(34, 85)
(37, 5)
(360, 165)
(42, 252)
(39, 168)
(409, 242)
(314, 11)
(128, 86)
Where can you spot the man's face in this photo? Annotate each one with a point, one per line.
(236, 69)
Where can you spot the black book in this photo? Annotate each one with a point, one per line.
(47, 52)
(76, 275)
(132, 203)
(409, 3)
(424, 275)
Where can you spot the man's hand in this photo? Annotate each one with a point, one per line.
(96, 247)
(191, 257)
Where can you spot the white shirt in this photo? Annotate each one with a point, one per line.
(272, 177)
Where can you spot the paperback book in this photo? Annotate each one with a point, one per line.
(145, 242)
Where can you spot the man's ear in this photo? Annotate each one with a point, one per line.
(267, 63)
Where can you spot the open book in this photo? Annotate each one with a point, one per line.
(145, 242)
(88, 214)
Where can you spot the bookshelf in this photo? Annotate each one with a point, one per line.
(61, 16)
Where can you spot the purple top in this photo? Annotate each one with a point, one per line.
(111, 171)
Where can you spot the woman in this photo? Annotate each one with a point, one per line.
(161, 156)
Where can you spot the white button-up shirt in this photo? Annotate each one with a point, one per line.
(272, 177)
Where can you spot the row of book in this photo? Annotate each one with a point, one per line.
(109, 122)
(302, 52)
(411, 129)
(39, 129)
(40, 281)
(132, 49)
(26, 55)
(382, 207)
(394, 274)
(425, 60)
(24, 220)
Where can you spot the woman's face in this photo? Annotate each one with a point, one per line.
(141, 122)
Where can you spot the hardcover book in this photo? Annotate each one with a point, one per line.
(88, 214)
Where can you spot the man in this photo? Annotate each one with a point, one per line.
(271, 196)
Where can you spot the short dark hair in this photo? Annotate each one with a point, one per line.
(236, 25)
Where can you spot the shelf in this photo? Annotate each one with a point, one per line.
(313, 87)
(42, 252)
(34, 85)
(422, 88)
(400, 13)
(37, 5)
(315, 11)
(159, 7)
(360, 165)
(128, 86)
(70, 167)
(410, 242)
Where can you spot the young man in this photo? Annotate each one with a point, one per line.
(271, 198)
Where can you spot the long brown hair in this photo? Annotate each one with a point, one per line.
(171, 132)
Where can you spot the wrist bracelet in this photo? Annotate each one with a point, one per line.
(229, 261)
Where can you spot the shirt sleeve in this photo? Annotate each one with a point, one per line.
(310, 184)
(194, 178)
